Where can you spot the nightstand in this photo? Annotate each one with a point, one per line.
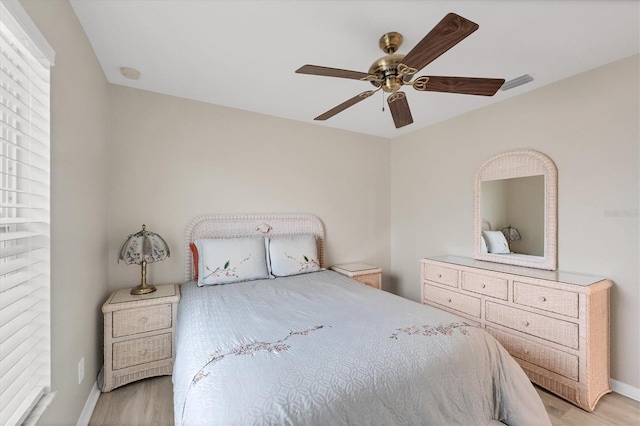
(139, 335)
(361, 272)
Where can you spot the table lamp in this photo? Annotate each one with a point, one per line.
(141, 248)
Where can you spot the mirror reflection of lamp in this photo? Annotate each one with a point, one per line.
(511, 234)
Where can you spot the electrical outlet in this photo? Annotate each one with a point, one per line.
(81, 370)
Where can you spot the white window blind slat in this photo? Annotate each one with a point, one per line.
(14, 294)
(19, 385)
(8, 153)
(13, 134)
(18, 66)
(16, 250)
(14, 265)
(18, 279)
(16, 192)
(25, 340)
(12, 126)
(43, 109)
(14, 236)
(27, 404)
(25, 185)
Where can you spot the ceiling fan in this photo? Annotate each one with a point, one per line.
(394, 70)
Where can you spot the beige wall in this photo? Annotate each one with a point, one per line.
(589, 126)
(79, 129)
(171, 159)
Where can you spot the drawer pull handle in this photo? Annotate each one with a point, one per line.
(449, 299)
(543, 299)
(484, 285)
(526, 323)
(439, 275)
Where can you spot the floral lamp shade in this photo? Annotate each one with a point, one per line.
(141, 248)
(511, 234)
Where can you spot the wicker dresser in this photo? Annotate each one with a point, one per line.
(139, 335)
(555, 324)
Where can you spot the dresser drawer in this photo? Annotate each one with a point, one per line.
(483, 284)
(452, 300)
(554, 330)
(549, 299)
(441, 275)
(559, 362)
(141, 351)
(133, 321)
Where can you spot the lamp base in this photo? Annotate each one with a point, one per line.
(143, 289)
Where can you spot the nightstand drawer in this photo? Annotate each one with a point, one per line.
(559, 362)
(554, 330)
(549, 299)
(452, 300)
(141, 351)
(133, 321)
(441, 275)
(483, 284)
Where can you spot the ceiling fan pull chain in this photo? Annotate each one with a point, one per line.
(382, 101)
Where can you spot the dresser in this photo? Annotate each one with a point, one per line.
(139, 339)
(554, 324)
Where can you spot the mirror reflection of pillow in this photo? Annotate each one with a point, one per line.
(496, 242)
(483, 245)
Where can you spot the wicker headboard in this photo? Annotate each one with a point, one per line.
(251, 225)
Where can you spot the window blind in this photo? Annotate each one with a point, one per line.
(25, 342)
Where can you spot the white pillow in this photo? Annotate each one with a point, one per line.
(293, 255)
(496, 242)
(223, 261)
(483, 245)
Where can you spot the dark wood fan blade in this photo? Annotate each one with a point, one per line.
(464, 85)
(399, 109)
(330, 72)
(346, 104)
(451, 30)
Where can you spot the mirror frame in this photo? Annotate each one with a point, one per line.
(514, 164)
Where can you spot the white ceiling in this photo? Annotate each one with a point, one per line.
(243, 54)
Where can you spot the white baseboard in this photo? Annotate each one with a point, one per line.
(89, 406)
(625, 389)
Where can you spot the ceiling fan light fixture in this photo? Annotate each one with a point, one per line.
(518, 81)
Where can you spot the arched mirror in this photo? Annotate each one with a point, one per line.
(516, 210)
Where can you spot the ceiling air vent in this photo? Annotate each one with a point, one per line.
(518, 81)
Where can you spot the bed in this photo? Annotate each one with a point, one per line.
(318, 348)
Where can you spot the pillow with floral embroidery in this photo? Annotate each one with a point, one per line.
(230, 260)
(293, 255)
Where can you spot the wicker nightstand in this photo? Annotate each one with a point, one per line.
(361, 272)
(139, 335)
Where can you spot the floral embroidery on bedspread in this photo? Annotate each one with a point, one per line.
(245, 349)
(427, 330)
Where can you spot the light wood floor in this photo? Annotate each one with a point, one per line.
(150, 402)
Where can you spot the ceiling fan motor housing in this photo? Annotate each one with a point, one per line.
(386, 69)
